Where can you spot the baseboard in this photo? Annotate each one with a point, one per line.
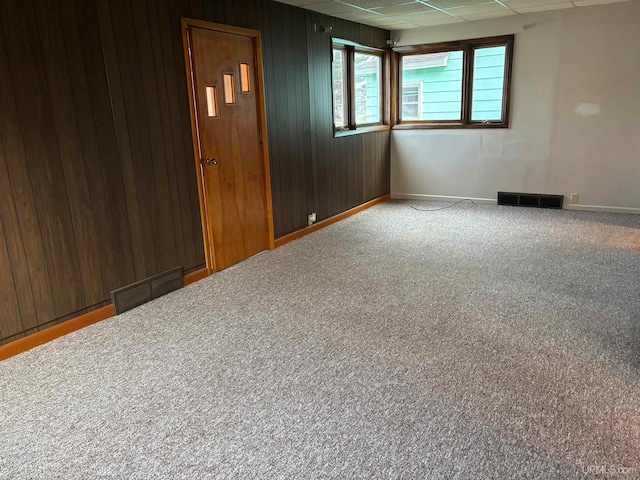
(491, 201)
(441, 198)
(325, 223)
(601, 208)
(193, 277)
(57, 331)
(51, 333)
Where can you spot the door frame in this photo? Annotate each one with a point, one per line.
(207, 230)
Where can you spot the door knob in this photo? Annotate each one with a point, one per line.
(211, 161)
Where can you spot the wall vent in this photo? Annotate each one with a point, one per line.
(539, 200)
(137, 293)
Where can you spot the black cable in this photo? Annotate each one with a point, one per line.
(442, 208)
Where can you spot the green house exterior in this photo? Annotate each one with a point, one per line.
(432, 87)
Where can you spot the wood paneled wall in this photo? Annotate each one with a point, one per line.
(97, 177)
(353, 169)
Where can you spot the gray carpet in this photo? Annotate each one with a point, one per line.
(474, 342)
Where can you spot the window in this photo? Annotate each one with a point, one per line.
(412, 100)
(212, 101)
(229, 89)
(358, 89)
(245, 78)
(339, 87)
(367, 72)
(463, 84)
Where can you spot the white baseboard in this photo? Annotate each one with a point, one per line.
(492, 201)
(601, 208)
(440, 198)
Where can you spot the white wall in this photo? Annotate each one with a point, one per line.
(562, 60)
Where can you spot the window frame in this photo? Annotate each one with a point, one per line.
(468, 48)
(348, 95)
(419, 93)
(345, 90)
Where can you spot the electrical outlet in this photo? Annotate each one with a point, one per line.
(311, 218)
(574, 198)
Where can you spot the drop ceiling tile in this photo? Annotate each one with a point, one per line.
(587, 3)
(358, 15)
(481, 16)
(439, 21)
(544, 8)
(389, 24)
(330, 8)
(416, 17)
(406, 27)
(483, 8)
(446, 4)
(381, 22)
(375, 3)
(299, 3)
(376, 22)
(405, 9)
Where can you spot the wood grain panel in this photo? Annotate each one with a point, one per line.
(167, 132)
(33, 100)
(347, 171)
(24, 234)
(12, 319)
(70, 145)
(107, 142)
(81, 88)
(15, 251)
(119, 119)
(128, 56)
(97, 171)
(176, 11)
(157, 154)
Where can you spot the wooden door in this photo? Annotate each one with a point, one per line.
(228, 110)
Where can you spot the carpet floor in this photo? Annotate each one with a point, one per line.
(476, 342)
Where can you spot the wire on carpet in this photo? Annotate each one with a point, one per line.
(442, 208)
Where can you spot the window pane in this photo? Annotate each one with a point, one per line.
(412, 100)
(339, 89)
(212, 101)
(440, 75)
(488, 83)
(245, 75)
(229, 88)
(367, 76)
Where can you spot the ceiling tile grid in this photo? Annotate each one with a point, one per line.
(403, 14)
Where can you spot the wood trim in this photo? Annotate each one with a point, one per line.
(255, 35)
(197, 151)
(349, 90)
(361, 130)
(467, 84)
(507, 81)
(393, 82)
(365, 47)
(196, 276)
(219, 27)
(262, 112)
(461, 44)
(39, 338)
(440, 126)
(51, 333)
(329, 221)
(351, 127)
(468, 47)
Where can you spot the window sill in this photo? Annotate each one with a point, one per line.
(433, 126)
(358, 131)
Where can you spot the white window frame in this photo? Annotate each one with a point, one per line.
(420, 99)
